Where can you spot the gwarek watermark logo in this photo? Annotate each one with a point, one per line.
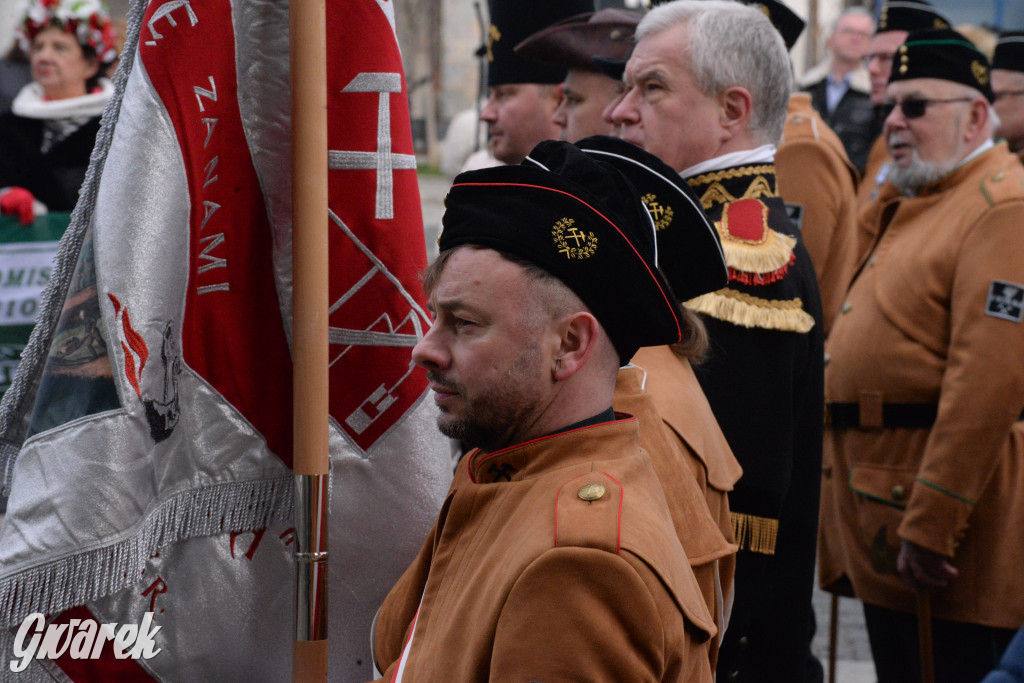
(82, 639)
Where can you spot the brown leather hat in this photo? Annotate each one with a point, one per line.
(573, 43)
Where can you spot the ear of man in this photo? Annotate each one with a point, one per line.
(736, 105)
(578, 341)
(978, 119)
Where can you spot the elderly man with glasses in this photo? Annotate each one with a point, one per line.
(923, 486)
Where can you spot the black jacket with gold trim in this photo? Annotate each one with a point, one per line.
(764, 380)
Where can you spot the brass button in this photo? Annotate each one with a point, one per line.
(997, 177)
(734, 675)
(590, 492)
(742, 644)
(798, 119)
(903, 69)
(847, 307)
(828, 359)
(872, 261)
(898, 492)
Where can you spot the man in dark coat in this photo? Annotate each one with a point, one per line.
(763, 377)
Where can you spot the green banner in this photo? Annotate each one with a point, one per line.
(26, 261)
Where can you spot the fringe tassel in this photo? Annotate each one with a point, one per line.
(769, 257)
(756, 534)
(74, 580)
(751, 311)
(754, 279)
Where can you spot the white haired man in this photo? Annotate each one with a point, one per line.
(708, 87)
(924, 452)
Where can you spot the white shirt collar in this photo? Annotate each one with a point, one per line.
(765, 154)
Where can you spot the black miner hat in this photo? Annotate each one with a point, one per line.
(580, 220)
(574, 43)
(909, 15)
(511, 22)
(945, 54)
(1009, 53)
(689, 248)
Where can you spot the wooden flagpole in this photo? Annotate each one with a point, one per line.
(308, 54)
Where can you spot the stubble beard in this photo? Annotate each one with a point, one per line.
(493, 419)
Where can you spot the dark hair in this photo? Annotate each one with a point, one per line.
(93, 81)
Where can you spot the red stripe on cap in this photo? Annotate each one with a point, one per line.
(679, 332)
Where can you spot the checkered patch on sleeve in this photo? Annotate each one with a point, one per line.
(1006, 301)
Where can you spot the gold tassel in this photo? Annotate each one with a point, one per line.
(772, 254)
(756, 534)
(751, 311)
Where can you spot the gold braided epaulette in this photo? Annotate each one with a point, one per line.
(745, 310)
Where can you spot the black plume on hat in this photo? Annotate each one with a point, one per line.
(580, 220)
(945, 54)
(689, 248)
(909, 15)
(1009, 52)
(511, 22)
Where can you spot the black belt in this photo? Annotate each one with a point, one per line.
(894, 415)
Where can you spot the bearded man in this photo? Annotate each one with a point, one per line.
(924, 446)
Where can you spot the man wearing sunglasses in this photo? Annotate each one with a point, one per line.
(924, 386)
(1008, 86)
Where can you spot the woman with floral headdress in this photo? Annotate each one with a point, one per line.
(47, 137)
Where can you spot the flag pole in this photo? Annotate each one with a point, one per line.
(308, 55)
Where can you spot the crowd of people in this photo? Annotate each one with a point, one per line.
(698, 329)
(851, 393)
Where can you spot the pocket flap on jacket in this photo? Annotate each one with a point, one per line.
(882, 484)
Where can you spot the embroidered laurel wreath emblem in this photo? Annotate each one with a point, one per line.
(573, 242)
(661, 215)
(980, 72)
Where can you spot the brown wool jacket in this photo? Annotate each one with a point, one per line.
(934, 318)
(700, 512)
(867, 195)
(812, 170)
(522, 579)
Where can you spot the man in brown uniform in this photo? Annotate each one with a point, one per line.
(554, 556)
(924, 452)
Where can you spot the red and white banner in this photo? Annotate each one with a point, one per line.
(154, 475)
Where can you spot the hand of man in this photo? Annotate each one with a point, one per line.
(923, 569)
(19, 201)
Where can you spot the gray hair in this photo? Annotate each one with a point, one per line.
(730, 45)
